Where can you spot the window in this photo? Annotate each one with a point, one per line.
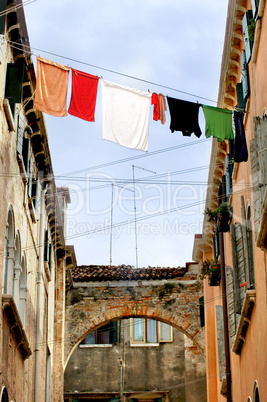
(4, 395)
(146, 331)
(9, 253)
(256, 394)
(248, 44)
(48, 249)
(105, 335)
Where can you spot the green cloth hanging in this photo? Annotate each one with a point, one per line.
(218, 123)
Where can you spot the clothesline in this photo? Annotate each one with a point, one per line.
(125, 110)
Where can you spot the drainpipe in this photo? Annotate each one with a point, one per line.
(225, 321)
(121, 387)
(39, 288)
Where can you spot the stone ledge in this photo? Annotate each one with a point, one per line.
(250, 300)
(16, 327)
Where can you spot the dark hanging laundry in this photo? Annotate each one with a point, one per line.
(240, 148)
(184, 117)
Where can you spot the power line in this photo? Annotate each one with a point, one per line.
(17, 46)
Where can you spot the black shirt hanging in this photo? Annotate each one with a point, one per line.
(184, 117)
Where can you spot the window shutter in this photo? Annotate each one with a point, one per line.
(3, 5)
(231, 302)
(220, 341)
(241, 104)
(224, 197)
(241, 262)
(234, 255)
(247, 42)
(30, 179)
(216, 242)
(20, 133)
(14, 80)
(36, 194)
(228, 176)
(245, 77)
(255, 6)
(202, 311)
(113, 332)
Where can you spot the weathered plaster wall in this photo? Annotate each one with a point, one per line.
(177, 367)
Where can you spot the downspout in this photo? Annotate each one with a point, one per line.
(225, 322)
(39, 288)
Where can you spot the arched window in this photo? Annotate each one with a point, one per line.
(9, 253)
(256, 394)
(17, 269)
(4, 395)
(23, 289)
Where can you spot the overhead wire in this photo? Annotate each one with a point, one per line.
(16, 45)
(128, 222)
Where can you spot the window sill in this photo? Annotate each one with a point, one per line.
(9, 306)
(144, 344)
(244, 322)
(104, 345)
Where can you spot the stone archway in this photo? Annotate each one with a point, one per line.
(175, 301)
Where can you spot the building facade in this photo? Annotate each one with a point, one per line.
(32, 244)
(135, 360)
(236, 307)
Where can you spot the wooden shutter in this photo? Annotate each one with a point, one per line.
(30, 178)
(231, 302)
(3, 5)
(220, 341)
(113, 332)
(14, 80)
(36, 195)
(234, 255)
(247, 42)
(245, 77)
(20, 133)
(241, 104)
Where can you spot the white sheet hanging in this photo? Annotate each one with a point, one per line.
(125, 115)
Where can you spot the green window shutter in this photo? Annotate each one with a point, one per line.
(113, 332)
(245, 76)
(3, 5)
(241, 103)
(20, 133)
(14, 81)
(247, 42)
(158, 400)
(202, 311)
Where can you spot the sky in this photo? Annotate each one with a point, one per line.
(164, 46)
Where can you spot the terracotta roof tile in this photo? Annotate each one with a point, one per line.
(89, 273)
